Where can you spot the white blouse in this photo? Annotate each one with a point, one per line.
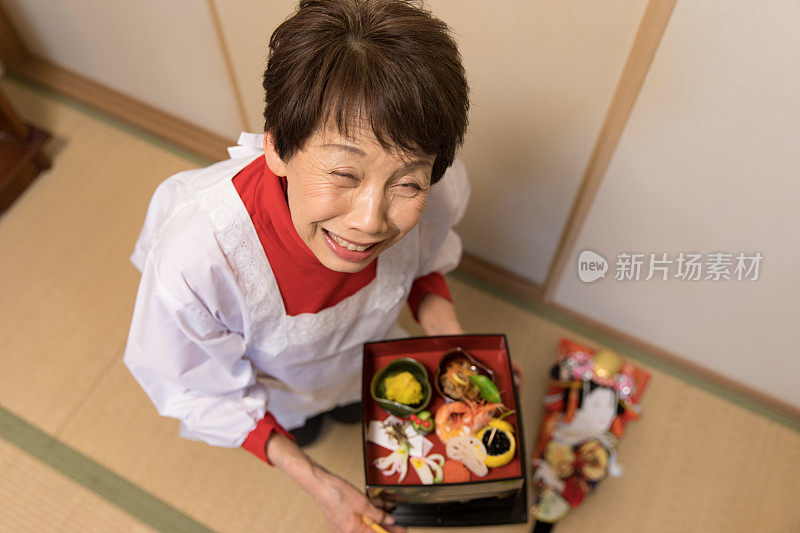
(210, 341)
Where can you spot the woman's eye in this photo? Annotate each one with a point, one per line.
(345, 176)
(410, 190)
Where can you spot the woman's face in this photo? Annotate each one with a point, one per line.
(350, 199)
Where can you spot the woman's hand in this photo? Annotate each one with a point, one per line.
(341, 503)
(517, 371)
(344, 506)
(437, 316)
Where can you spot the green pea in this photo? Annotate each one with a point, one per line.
(487, 388)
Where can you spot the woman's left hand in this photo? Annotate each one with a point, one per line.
(437, 316)
(516, 369)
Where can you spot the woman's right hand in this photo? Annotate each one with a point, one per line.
(341, 503)
(344, 506)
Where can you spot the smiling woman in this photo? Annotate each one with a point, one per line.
(350, 202)
(264, 275)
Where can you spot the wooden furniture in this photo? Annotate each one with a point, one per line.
(21, 156)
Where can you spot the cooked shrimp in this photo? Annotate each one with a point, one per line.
(459, 418)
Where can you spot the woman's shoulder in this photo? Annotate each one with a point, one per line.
(187, 190)
(186, 209)
(201, 251)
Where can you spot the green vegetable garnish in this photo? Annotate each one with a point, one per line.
(422, 422)
(486, 387)
(507, 413)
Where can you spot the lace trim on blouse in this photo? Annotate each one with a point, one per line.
(265, 318)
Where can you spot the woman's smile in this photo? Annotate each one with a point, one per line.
(349, 250)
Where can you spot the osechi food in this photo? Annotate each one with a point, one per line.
(470, 451)
(455, 472)
(469, 425)
(498, 438)
(422, 422)
(458, 418)
(456, 383)
(403, 388)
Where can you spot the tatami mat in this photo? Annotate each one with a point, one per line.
(33, 497)
(695, 462)
(64, 263)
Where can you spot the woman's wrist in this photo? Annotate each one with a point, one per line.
(286, 455)
(437, 316)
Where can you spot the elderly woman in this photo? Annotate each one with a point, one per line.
(263, 275)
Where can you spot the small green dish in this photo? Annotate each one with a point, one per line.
(378, 386)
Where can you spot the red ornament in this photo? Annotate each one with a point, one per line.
(574, 491)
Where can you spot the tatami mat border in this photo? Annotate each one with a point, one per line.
(538, 309)
(125, 495)
(107, 119)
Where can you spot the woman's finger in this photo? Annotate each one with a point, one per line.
(374, 513)
(386, 521)
(378, 526)
(386, 527)
(517, 371)
(382, 503)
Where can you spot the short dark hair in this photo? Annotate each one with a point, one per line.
(389, 63)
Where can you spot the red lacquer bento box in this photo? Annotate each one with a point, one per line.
(500, 497)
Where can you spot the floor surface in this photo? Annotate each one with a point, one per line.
(82, 448)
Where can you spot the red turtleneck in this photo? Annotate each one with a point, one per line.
(305, 284)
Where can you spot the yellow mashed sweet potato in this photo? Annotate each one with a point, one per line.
(403, 388)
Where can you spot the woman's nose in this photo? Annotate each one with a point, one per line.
(368, 212)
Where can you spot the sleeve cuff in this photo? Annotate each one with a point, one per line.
(433, 283)
(256, 441)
